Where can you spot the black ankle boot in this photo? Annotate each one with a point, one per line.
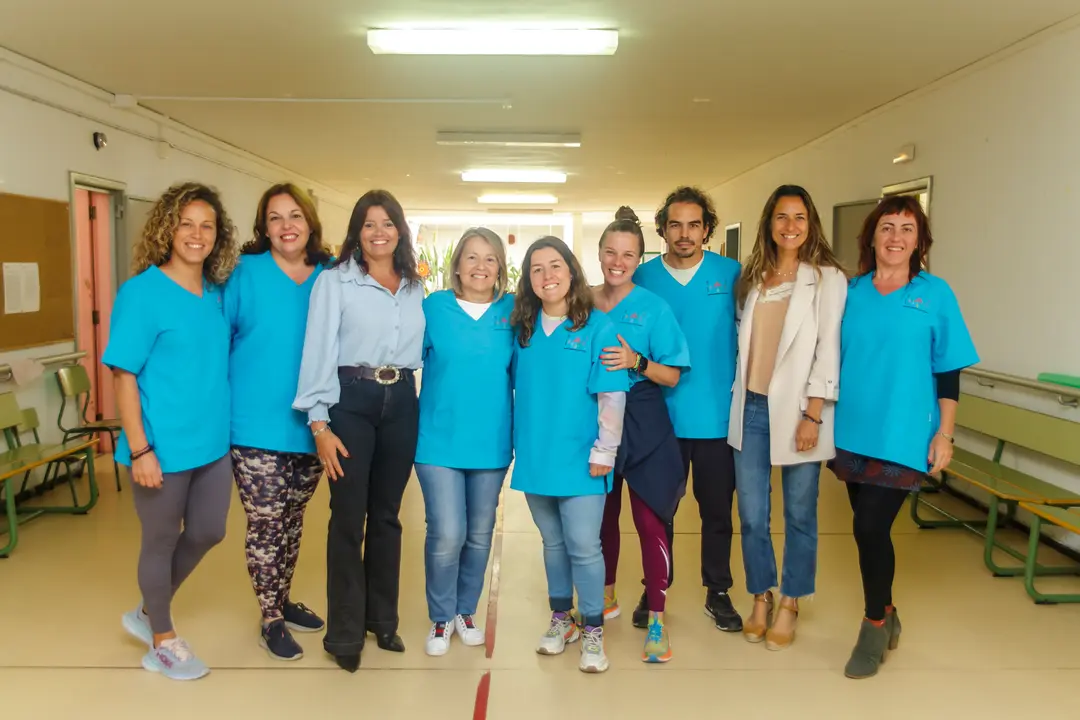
(350, 662)
(391, 642)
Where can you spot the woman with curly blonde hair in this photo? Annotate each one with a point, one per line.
(169, 353)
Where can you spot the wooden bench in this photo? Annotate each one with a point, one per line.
(1008, 425)
(20, 459)
(1065, 518)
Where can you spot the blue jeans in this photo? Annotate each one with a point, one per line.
(460, 507)
(753, 469)
(570, 527)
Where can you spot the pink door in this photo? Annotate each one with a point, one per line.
(94, 253)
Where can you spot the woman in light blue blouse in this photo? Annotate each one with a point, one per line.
(274, 462)
(465, 444)
(365, 333)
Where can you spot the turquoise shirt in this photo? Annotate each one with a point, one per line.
(705, 308)
(649, 327)
(891, 346)
(556, 381)
(176, 344)
(465, 392)
(267, 313)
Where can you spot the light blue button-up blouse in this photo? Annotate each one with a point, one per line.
(352, 321)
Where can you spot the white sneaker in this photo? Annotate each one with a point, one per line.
(562, 630)
(470, 634)
(593, 659)
(438, 642)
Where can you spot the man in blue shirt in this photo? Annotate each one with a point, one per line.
(700, 288)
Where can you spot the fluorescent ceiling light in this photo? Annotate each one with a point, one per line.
(492, 40)
(509, 139)
(517, 199)
(514, 176)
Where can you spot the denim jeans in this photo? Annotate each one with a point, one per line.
(753, 470)
(460, 507)
(570, 528)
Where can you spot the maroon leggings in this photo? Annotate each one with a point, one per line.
(655, 549)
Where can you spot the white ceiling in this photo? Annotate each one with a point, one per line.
(775, 73)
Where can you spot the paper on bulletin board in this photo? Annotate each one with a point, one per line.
(22, 288)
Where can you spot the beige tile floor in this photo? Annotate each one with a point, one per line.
(973, 646)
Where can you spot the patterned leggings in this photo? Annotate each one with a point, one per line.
(274, 488)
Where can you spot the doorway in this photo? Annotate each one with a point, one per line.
(94, 212)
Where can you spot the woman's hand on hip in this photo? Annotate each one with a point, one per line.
(806, 435)
(328, 447)
(146, 471)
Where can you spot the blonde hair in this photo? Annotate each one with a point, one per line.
(491, 238)
(155, 246)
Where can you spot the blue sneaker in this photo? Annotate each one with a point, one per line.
(174, 659)
(137, 624)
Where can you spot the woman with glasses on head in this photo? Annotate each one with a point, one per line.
(464, 446)
(362, 346)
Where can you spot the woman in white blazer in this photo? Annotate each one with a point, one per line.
(792, 294)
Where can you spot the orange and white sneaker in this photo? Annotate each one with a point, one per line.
(611, 608)
(561, 631)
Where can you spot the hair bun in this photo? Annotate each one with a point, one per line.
(626, 213)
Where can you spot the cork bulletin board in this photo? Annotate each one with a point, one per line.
(35, 255)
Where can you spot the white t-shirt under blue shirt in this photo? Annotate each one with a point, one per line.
(176, 344)
(267, 313)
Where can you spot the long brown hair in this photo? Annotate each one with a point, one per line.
(404, 254)
(895, 205)
(765, 256)
(155, 245)
(579, 299)
(317, 252)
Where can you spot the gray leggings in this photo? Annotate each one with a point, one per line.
(197, 499)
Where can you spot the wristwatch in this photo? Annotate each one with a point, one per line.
(642, 363)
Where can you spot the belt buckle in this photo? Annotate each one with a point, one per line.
(387, 375)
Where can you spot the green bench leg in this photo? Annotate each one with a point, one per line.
(1033, 569)
(75, 508)
(951, 520)
(12, 517)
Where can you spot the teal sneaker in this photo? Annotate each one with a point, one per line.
(657, 644)
(137, 624)
(174, 659)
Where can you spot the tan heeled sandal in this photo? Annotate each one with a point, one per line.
(755, 633)
(782, 641)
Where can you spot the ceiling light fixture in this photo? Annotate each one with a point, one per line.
(568, 140)
(514, 176)
(492, 40)
(516, 199)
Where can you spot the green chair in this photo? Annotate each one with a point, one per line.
(75, 388)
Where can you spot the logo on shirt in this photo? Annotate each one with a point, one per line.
(716, 287)
(915, 303)
(633, 318)
(575, 342)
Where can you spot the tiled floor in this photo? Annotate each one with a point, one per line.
(973, 645)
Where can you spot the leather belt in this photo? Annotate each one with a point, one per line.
(384, 374)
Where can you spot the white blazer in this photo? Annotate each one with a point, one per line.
(807, 365)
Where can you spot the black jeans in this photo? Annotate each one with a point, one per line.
(378, 426)
(875, 509)
(714, 489)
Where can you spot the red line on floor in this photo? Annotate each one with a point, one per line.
(493, 585)
(483, 691)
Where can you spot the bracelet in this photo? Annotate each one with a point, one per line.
(806, 416)
(321, 430)
(947, 436)
(145, 451)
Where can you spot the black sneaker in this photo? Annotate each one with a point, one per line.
(640, 618)
(277, 641)
(299, 618)
(718, 606)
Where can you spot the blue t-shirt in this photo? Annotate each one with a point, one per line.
(705, 308)
(556, 381)
(267, 313)
(465, 392)
(891, 346)
(649, 327)
(176, 344)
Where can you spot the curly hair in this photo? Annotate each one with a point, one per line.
(404, 253)
(695, 196)
(764, 257)
(579, 299)
(317, 252)
(155, 246)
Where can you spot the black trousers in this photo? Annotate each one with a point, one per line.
(875, 509)
(378, 426)
(713, 462)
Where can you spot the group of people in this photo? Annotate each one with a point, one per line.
(270, 365)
